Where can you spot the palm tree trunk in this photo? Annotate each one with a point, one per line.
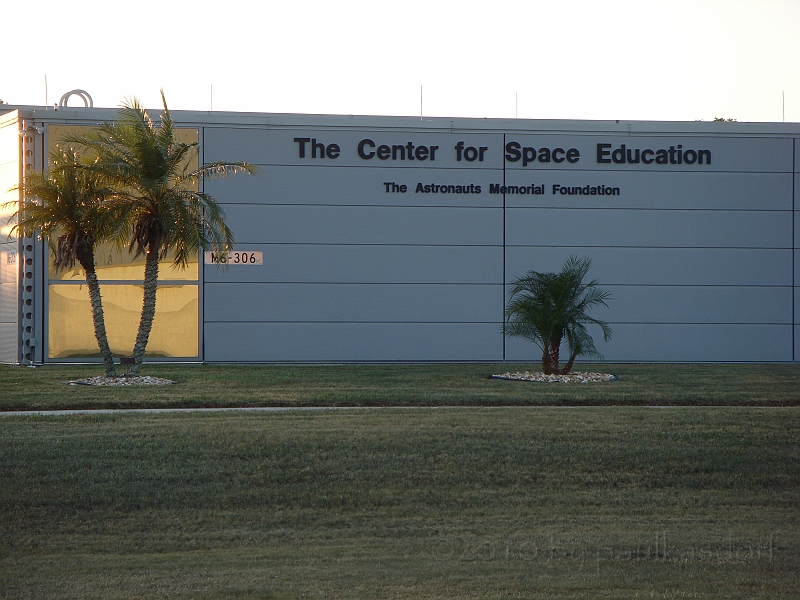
(555, 350)
(148, 308)
(550, 358)
(568, 367)
(546, 368)
(98, 318)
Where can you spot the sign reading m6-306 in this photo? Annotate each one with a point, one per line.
(234, 258)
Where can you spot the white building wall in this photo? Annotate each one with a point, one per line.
(352, 272)
(796, 270)
(699, 258)
(10, 258)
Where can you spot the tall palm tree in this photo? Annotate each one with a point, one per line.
(72, 214)
(151, 172)
(546, 308)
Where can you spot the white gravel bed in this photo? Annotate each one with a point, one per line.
(575, 377)
(121, 380)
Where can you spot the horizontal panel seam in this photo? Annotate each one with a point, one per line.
(512, 207)
(343, 322)
(653, 209)
(369, 283)
(649, 247)
(250, 322)
(370, 244)
(164, 282)
(491, 284)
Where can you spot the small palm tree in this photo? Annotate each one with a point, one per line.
(546, 308)
(73, 215)
(150, 171)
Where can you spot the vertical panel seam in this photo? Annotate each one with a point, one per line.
(201, 267)
(42, 264)
(505, 255)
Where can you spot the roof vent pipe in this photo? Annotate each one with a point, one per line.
(83, 95)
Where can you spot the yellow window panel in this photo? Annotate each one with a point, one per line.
(113, 263)
(175, 327)
(117, 264)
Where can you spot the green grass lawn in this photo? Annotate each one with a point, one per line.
(407, 385)
(614, 501)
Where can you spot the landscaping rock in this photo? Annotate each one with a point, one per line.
(575, 377)
(122, 380)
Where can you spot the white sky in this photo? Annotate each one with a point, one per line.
(628, 60)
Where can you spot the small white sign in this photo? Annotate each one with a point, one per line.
(11, 258)
(236, 257)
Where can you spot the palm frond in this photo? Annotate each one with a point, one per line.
(67, 206)
(220, 169)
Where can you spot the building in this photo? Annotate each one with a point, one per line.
(369, 239)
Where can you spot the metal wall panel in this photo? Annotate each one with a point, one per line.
(9, 175)
(386, 275)
(796, 142)
(354, 303)
(648, 228)
(796, 348)
(10, 257)
(681, 343)
(698, 304)
(365, 225)
(9, 341)
(298, 263)
(796, 218)
(728, 153)
(9, 261)
(663, 266)
(9, 304)
(797, 290)
(796, 271)
(670, 190)
(359, 342)
(336, 185)
(277, 147)
(699, 257)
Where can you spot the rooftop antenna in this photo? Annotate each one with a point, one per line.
(420, 102)
(46, 101)
(212, 98)
(783, 100)
(516, 105)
